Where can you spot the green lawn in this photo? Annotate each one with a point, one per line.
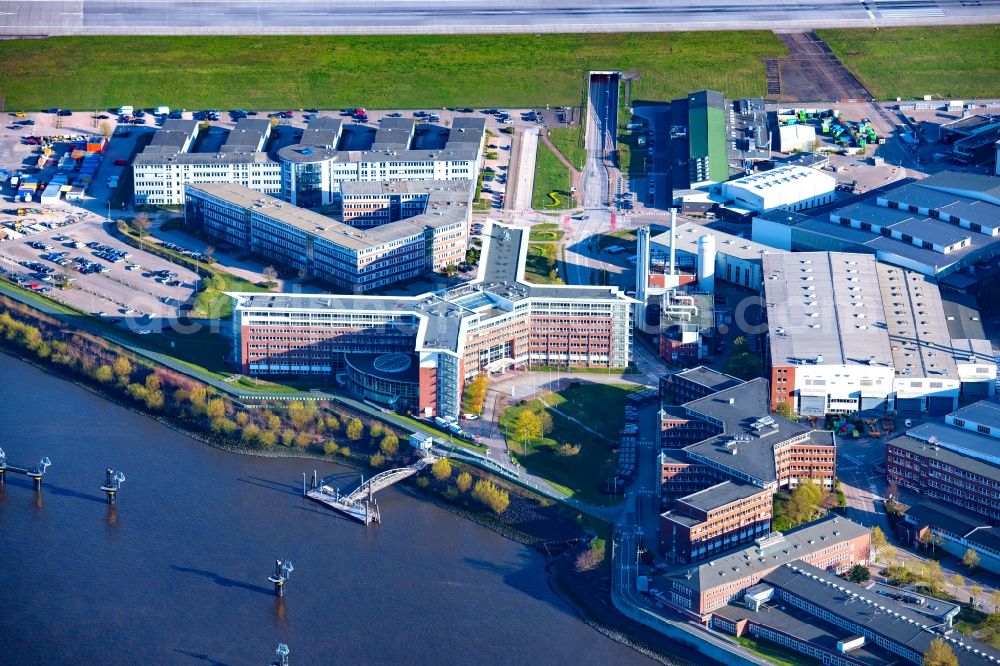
(775, 653)
(578, 475)
(569, 141)
(546, 232)
(552, 182)
(537, 268)
(278, 72)
(954, 61)
(600, 406)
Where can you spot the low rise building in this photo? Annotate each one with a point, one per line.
(803, 607)
(957, 531)
(949, 464)
(792, 188)
(847, 333)
(680, 387)
(832, 544)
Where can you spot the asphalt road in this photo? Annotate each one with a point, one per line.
(89, 17)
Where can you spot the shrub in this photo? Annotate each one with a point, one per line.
(489, 494)
(463, 482)
(441, 469)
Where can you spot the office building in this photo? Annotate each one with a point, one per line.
(353, 259)
(848, 334)
(165, 166)
(949, 463)
(310, 173)
(832, 544)
(486, 325)
(955, 531)
(680, 387)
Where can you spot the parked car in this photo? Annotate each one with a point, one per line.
(120, 162)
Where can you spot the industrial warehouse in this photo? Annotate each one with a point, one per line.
(848, 333)
(415, 353)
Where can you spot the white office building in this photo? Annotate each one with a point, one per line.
(792, 188)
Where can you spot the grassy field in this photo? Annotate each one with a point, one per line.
(537, 268)
(570, 143)
(579, 474)
(406, 71)
(600, 406)
(551, 176)
(954, 61)
(775, 654)
(546, 232)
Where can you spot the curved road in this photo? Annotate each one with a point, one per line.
(233, 17)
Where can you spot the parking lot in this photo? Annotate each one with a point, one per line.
(99, 281)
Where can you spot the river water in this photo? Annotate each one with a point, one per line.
(177, 572)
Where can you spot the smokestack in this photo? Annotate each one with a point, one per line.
(673, 237)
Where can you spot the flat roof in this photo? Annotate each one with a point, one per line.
(825, 308)
(443, 313)
(919, 195)
(949, 518)
(687, 235)
(393, 366)
(982, 412)
(804, 627)
(976, 186)
(327, 228)
(394, 134)
(956, 438)
(786, 217)
(709, 378)
(788, 177)
(961, 441)
(322, 132)
(878, 613)
(766, 554)
(721, 494)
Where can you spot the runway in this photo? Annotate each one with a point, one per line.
(240, 17)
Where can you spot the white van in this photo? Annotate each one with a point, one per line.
(162, 111)
(126, 111)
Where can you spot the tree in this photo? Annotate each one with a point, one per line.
(270, 276)
(995, 599)
(389, 444)
(489, 494)
(441, 469)
(804, 502)
(251, 433)
(375, 429)
(528, 425)
(939, 653)
(330, 448)
(878, 540)
(208, 252)
(859, 573)
(106, 129)
(463, 482)
(376, 460)
(355, 429)
(104, 374)
(123, 370)
(932, 575)
(141, 224)
(975, 590)
(971, 559)
(592, 557)
(475, 393)
(215, 408)
(784, 410)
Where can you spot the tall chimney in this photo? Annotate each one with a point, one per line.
(673, 237)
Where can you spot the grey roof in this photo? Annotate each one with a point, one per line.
(766, 555)
(804, 627)
(953, 520)
(720, 495)
(369, 365)
(918, 194)
(322, 132)
(466, 132)
(962, 314)
(983, 188)
(939, 234)
(825, 305)
(327, 228)
(687, 235)
(877, 613)
(306, 153)
(786, 217)
(709, 378)
(740, 448)
(961, 441)
(982, 412)
(394, 134)
(946, 455)
(443, 313)
(247, 137)
(936, 609)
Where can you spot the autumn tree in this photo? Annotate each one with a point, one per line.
(215, 408)
(971, 559)
(939, 653)
(441, 469)
(958, 580)
(492, 496)
(376, 460)
(270, 274)
(389, 444)
(355, 429)
(375, 429)
(528, 425)
(463, 482)
(104, 374)
(475, 393)
(975, 590)
(123, 370)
